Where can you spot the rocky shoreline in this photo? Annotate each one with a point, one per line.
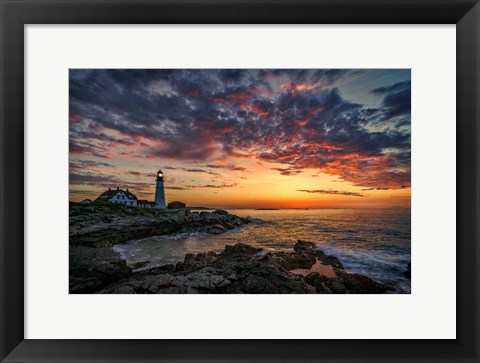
(243, 269)
(106, 224)
(93, 229)
(238, 269)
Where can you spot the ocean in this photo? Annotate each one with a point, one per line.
(372, 242)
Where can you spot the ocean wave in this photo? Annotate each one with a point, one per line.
(372, 243)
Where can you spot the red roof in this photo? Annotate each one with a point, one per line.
(129, 195)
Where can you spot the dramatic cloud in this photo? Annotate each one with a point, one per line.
(85, 165)
(288, 171)
(335, 192)
(376, 189)
(227, 166)
(298, 118)
(221, 186)
(106, 181)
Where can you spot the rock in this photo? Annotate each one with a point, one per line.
(316, 279)
(106, 225)
(337, 288)
(273, 282)
(239, 269)
(297, 260)
(139, 264)
(91, 269)
(241, 248)
(304, 246)
(221, 211)
(160, 282)
(216, 229)
(206, 279)
(359, 284)
(319, 282)
(122, 289)
(332, 261)
(195, 262)
(161, 269)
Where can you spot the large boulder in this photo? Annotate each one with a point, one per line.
(304, 246)
(241, 248)
(196, 261)
(267, 280)
(360, 284)
(297, 260)
(207, 279)
(90, 269)
(106, 225)
(319, 282)
(221, 211)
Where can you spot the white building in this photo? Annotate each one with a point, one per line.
(143, 203)
(118, 196)
(126, 197)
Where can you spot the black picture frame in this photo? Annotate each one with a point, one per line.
(15, 14)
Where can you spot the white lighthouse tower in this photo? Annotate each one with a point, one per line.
(160, 192)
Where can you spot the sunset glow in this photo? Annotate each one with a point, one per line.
(244, 138)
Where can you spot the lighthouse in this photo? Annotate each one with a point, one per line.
(160, 192)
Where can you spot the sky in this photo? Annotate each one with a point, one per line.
(243, 138)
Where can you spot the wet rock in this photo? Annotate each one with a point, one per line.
(216, 229)
(106, 225)
(205, 279)
(122, 289)
(161, 282)
(240, 248)
(268, 281)
(196, 261)
(91, 269)
(239, 269)
(221, 211)
(359, 284)
(139, 264)
(332, 261)
(304, 246)
(337, 288)
(297, 260)
(319, 282)
(161, 269)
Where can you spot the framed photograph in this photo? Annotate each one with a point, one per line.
(240, 181)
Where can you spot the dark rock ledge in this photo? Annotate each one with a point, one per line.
(95, 228)
(109, 224)
(239, 269)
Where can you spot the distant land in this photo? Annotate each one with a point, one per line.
(201, 208)
(266, 209)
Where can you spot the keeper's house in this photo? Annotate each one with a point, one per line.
(118, 196)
